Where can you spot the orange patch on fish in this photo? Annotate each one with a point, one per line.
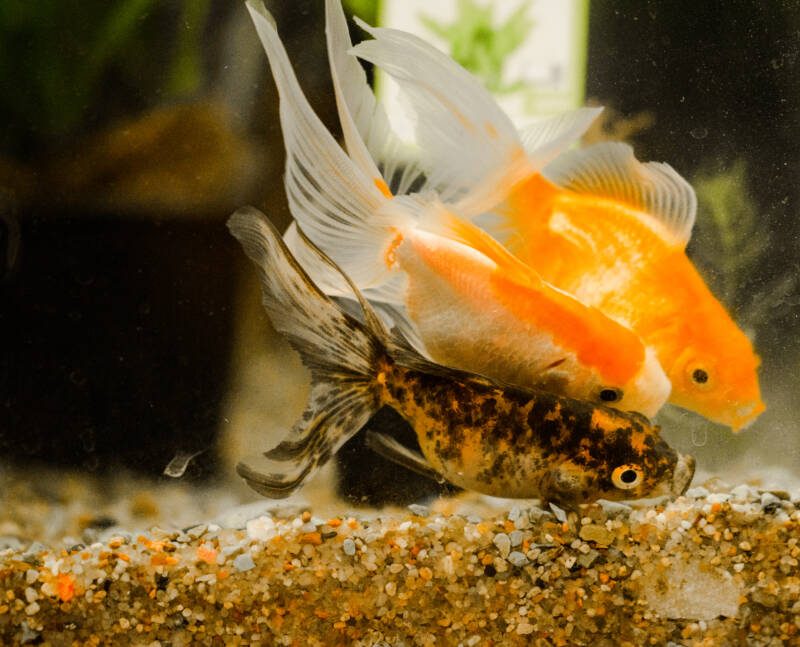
(575, 329)
(382, 187)
(390, 258)
(603, 419)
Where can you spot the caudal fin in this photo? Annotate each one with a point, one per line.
(336, 200)
(341, 353)
(368, 135)
(472, 152)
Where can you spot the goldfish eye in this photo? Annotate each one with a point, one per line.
(699, 376)
(626, 477)
(609, 394)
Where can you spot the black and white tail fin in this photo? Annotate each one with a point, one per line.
(341, 353)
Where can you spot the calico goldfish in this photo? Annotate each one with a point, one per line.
(477, 433)
(596, 223)
(468, 302)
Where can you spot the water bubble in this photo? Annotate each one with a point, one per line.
(699, 437)
(699, 132)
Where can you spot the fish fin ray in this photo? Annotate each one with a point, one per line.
(367, 131)
(331, 283)
(545, 139)
(393, 450)
(354, 99)
(341, 353)
(611, 170)
(468, 145)
(330, 196)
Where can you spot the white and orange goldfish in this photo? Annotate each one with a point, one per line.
(596, 223)
(472, 304)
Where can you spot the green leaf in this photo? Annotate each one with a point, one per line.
(479, 46)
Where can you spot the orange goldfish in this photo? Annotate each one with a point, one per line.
(596, 223)
(613, 231)
(470, 303)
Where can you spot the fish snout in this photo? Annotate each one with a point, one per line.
(745, 415)
(683, 474)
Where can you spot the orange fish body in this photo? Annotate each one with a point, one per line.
(621, 260)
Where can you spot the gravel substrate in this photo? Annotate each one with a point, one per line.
(712, 568)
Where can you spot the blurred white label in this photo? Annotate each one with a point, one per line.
(531, 54)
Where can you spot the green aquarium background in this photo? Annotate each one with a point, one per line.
(133, 128)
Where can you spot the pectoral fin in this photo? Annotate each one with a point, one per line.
(396, 452)
(438, 220)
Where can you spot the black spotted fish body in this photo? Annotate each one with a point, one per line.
(505, 441)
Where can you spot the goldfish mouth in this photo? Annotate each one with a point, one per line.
(746, 415)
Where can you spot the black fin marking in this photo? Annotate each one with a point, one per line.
(341, 353)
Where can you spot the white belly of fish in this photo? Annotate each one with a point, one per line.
(464, 325)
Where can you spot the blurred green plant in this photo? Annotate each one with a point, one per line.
(186, 75)
(730, 244)
(54, 54)
(479, 46)
(367, 10)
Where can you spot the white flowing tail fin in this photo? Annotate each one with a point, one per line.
(341, 353)
(460, 129)
(368, 135)
(469, 147)
(334, 199)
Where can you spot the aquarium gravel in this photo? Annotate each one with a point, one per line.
(715, 567)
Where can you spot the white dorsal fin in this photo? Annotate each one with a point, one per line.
(611, 170)
(463, 135)
(368, 134)
(546, 138)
